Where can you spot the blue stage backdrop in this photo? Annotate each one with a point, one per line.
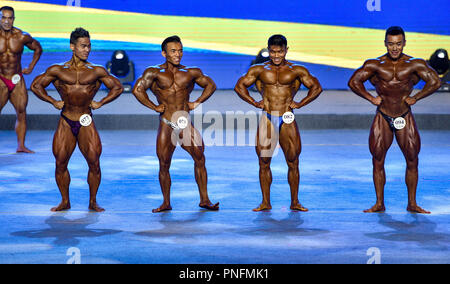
(415, 16)
(423, 16)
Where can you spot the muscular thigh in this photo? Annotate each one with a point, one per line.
(192, 142)
(4, 95)
(290, 141)
(381, 137)
(164, 144)
(19, 96)
(408, 138)
(63, 142)
(266, 138)
(89, 142)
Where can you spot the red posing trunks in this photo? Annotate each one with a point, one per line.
(9, 83)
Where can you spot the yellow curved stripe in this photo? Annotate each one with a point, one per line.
(320, 44)
(41, 7)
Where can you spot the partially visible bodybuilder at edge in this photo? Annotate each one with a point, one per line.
(394, 75)
(77, 81)
(12, 83)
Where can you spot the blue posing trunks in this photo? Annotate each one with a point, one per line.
(279, 118)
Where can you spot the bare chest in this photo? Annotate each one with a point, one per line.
(85, 76)
(395, 73)
(181, 79)
(278, 76)
(11, 45)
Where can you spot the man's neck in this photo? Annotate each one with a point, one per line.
(6, 32)
(283, 63)
(395, 60)
(172, 67)
(77, 62)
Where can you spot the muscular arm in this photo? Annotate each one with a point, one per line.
(311, 83)
(431, 78)
(43, 81)
(34, 45)
(361, 75)
(245, 82)
(112, 83)
(206, 83)
(141, 86)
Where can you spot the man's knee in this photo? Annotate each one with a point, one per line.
(264, 163)
(378, 161)
(412, 162)
(200, 161)
(21, 114)
(164, 165)
(292, 164)
(291, 156)
(94, 167)
(61, 167)
(378, 154)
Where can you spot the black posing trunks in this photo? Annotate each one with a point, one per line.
(390, 119)
(75, 126)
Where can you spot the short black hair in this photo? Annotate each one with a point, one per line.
(170, 39)
(8, 8)
(78, 33)
(395, 30)
(278, 40)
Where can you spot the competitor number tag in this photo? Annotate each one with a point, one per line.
(85, 120)
(288, 117)
(15, 79)
(399, 123)
(182, 122)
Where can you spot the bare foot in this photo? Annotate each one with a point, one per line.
(417, 209)
(263, 207)
(163, 207)
(95, 207)
(298, 207)
(376, 208)
(210, 206)
(23, 149)
(61, 207)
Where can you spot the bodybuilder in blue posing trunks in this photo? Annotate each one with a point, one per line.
(278, 80)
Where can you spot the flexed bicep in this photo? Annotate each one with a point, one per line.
(43, 81)
(202, 79)
(142, 85)
(429, 75)
(426, 72)
(144, 82)
(112, 83)
(248, 79)
(310, 82)
(364, 73)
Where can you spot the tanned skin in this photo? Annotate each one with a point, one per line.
(77, 81)
(278, 80)
(12, 42)
(172, 84)
(394, 75)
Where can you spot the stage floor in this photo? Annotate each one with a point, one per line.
(335, 184)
